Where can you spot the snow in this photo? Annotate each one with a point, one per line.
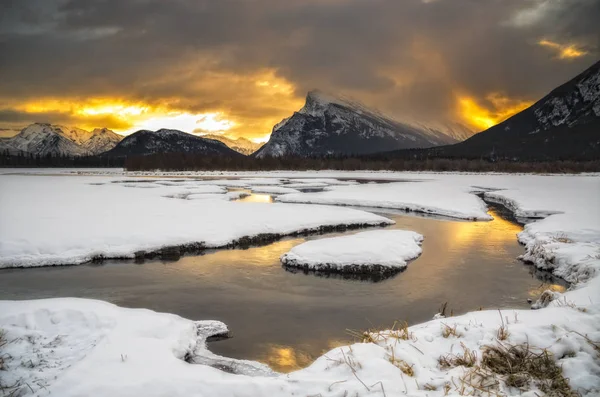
(42, 138)
(439, 198)
(111, 220)
(75, 347)
(372, 251)
(274, 190)
(79, 347)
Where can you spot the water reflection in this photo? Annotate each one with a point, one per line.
(536, 292)
(286, 358)
(286, 319)
(256, 198)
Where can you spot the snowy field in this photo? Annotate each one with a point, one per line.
(74, 347)
(380, 251)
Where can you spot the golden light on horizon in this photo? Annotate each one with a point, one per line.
(496, 109)
(131, 117)
(232, 105)
(565, 51)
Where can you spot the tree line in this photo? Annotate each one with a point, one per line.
(196, 162)
(199, 162)
(25, 160)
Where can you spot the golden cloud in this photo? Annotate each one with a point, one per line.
(495, 108)
(564, 51)
(237, 105)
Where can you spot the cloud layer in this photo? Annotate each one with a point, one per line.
(249, 63)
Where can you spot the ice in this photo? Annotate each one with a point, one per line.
(437, 197)
(381, 251)
(50, 220)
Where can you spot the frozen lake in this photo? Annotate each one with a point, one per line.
(287, 319)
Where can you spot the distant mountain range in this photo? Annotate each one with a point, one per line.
(565, 124)
(43, 139)
(329, 125)
(146, 142)
(240, 145)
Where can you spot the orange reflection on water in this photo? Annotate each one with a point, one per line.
(257, 198)
(266, 256)
(286, 358)
(543, 287)
(485, 235)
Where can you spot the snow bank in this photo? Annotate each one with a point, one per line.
(439, 197)
(70, 220)
(274, 190)
(377, 251)
(79, 347)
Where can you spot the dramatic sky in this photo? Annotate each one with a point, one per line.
(239, 66)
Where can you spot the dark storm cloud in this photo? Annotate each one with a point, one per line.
(407, 57)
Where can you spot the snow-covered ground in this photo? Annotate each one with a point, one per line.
(50, 220)
(378, 251)
(73, 347)
(441, 198)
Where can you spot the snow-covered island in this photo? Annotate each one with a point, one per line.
(382, 252)
(78, 347)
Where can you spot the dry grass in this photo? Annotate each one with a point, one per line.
(399, 331)
(562, 238)
(448, 331)
(467, 359)
(522, 365)
(429, 387)
(503, 333)
(405, 367)
(443, 311)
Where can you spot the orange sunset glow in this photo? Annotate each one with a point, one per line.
(241, 76)
(493, 109)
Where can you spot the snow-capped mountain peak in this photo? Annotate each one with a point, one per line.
(240, 145)
(332, 125)
(59, 140)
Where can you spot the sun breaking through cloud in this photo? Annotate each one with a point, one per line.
(564, 51)
(493, 109)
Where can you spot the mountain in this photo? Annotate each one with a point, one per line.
(44, 138)
(565, 124)
(145, 142)
(101, 140)
(240, 145)
(328, 125)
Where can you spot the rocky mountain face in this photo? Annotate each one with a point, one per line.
(240, 145)
(565, 124)
(101, 140)
(57, 140)
(328, 125)
(146, 142)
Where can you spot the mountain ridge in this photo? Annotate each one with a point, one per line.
(55, 139)
(240, 145)
(331, 125)
(144, 142)
(563, 124)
